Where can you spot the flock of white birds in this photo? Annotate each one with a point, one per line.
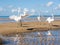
(19, 16)
(25, 12)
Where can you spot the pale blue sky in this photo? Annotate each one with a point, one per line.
(44, 5)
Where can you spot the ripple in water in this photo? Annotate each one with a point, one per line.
(33, 38)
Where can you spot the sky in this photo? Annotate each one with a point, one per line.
(46, 7)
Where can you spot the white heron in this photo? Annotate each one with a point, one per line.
(17, 18)
(50, 19)
(39, 17)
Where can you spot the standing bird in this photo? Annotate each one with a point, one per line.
(39, 17)
(50, 19)
(16, 18)
(19, 17)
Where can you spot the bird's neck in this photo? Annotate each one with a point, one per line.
(52, 16)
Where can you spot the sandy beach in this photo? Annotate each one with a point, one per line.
(11, 27)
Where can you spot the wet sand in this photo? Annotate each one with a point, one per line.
(11, 27)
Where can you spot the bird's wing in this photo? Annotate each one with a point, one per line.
(38, 18)
(12, 17)
(48, 19)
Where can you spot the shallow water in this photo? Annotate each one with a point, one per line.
(33, 38)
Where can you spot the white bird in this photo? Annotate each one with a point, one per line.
(39, 17)
(19, 17)
(16, 18)
(50, 19)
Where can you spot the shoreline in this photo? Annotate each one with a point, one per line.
(12, 27)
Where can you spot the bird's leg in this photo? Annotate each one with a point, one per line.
(51, 25)
(20, 23)
(39, 22)
(17, 24)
